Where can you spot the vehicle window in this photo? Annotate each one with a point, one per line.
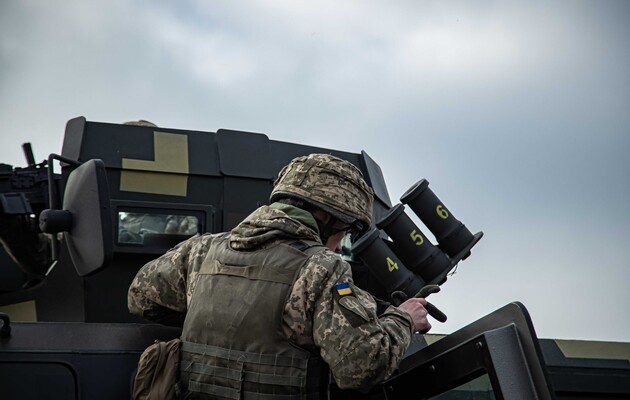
(477, 389)
(137, 227)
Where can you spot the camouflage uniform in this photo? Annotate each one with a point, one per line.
(360, 347)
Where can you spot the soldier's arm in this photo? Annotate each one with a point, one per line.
(162, 287)
(361, 347)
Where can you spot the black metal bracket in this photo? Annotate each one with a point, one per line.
(5, 329)
(502, 345)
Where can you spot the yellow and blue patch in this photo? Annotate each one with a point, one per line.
(343, 289)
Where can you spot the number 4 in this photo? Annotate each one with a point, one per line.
(391, 264)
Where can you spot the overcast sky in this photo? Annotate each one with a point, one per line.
(517, 113)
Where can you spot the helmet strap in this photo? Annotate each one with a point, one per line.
(326, 229)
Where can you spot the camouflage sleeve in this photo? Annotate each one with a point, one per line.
(361, 347)
(161, 289)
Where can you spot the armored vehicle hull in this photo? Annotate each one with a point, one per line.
(126, 193)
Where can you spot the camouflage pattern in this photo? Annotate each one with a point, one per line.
(361, 347)
(141, 122)
(328, 182)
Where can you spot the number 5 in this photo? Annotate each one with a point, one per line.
(416, 237)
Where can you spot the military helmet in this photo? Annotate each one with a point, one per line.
(141, 122)
(329, 183)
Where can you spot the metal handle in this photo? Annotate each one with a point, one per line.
(5, 329)
(399, 297)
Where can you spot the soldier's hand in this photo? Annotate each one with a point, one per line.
(415, 307)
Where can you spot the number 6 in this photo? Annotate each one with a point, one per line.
(441, 211)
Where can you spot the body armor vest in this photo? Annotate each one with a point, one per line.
(233, 345)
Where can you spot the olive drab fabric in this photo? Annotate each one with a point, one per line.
(328, 182)
(157, 376)
(234, 345)
(361, 347)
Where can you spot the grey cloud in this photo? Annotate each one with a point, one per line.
(516, 113)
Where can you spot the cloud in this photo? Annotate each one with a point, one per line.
(515, 112)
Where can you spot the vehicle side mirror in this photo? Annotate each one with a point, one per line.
(84, 219)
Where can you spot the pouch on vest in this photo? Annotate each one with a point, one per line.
(158, 371)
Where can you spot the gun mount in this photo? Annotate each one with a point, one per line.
(23, 195)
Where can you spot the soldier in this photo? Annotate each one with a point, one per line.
(269, 307)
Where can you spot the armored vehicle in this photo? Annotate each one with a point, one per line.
(73, 239)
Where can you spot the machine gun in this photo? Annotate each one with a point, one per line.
(23, 195)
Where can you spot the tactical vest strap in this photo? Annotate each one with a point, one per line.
(220, 372)
(237, 373)
(242, 356)
(214, 390)
(309, 247)
(299, 245)
(268, 274)
(235, 394)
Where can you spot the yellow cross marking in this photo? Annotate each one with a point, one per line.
(166, 174)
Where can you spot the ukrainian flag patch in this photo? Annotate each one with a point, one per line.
(343, 288)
